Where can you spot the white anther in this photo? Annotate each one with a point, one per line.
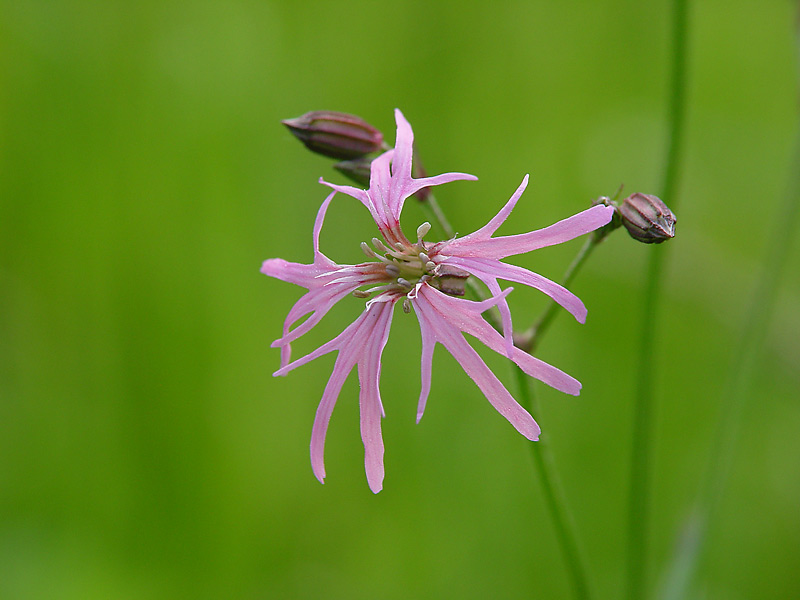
(404, 282)
(424, 257)
(392, 270)
(379, 245)
(423, 230)
(406, 305)
(430, 265)
(361, 294)
(367, 250)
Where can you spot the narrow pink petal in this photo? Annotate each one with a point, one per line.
(538, 369)
(327, 347)
(369, 368)
(487, 231)
(423, 182)
(380, 188)
(323, 416)
(489, 384)
(358, 194)
(490, 269)
(428, 345)
(361, 343)
(320, 298)
(403, 147)
(405, 189)
(320, 220)
(319, 309)
(464, 315)
(371, 436)
(505, 312)
(563, 231)
(290, 272)
(447, 331)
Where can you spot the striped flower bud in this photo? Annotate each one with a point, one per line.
(647, 218)
(335, 134)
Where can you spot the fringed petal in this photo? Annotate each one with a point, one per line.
(444, 323)
(490, 270)
(360, 344)
(563, 231)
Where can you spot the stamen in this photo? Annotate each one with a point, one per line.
(361, 294)
(404, 282)
(380, 288)
(400, 246)
(392, 270)
(430, 265)
(406, 305)
(424, 257)
(423, 230)
(379, 245)
(367, 250)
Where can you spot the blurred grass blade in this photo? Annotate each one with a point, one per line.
(639, 494)
(738, 385)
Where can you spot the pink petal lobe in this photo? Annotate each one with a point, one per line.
(403, 147)
(360, 344)
(491, 387)
(487, 231)
(446, 327)
(353, 192)
(369, 369)
(470, 321)
(490, 270)
(426, 361)
(318, 222)
(380, 188)
(296, 273)
(323, 417)
(423, 182)
(563, 231)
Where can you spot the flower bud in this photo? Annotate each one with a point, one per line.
(335, 134)
(357, 170)
(647, 218)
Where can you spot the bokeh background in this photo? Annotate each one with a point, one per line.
(146, 451)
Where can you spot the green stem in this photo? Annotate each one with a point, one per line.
(554, 496)
(541, 452)
(639, 497)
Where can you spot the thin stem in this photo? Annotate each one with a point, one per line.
(554, 496)
(639, 497)
(541, 452)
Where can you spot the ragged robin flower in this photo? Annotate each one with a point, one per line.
(428, 278)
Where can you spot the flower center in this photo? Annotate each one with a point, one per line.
(407, 265)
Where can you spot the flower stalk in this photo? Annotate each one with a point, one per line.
(555, 498)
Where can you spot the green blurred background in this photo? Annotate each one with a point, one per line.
(145, 449)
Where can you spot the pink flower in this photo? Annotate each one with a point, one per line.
(426, 277)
